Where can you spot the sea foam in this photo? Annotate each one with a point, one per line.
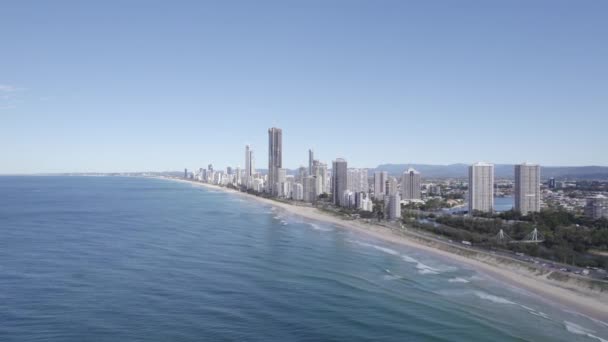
(424, 269)
(493, 298)
(458, 280)
(578, 330)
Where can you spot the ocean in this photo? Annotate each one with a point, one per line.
(136, 259)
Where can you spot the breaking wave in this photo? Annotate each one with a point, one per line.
(458, 280)
(493, 298)
(578, 330)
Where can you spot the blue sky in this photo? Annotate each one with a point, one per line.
(151, 85)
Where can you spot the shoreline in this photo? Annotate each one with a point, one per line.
(568, 294)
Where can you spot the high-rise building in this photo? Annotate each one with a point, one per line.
(339, 179)
(275, 157)
(597, 207)
(391, 186)
(394, 206)
(481, 187)
(249, 166)
(363, 202)
(357, 180)
(552, 183)
(349, 199)
(527, 188)
(410, 185)
(210, 167)
(281, 178)
(311, 158)
(185, 173)
(380, 178)
(298, 192)
(302, 173)
(308, 187)
(319, 172)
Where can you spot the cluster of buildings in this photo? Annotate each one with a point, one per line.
(348, 187)
(354, 188)
(597, 207)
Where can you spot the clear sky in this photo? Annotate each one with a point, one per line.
(163, 85)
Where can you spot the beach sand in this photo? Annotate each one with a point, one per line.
(571, 296)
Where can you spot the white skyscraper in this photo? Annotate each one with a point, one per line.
(249, 166)
(281, 178)
(481, 187)
(380, 178)
(410, 185)
(357, 180)
(391, 186)
(394, 206)
(527, 188)
(319, 172)
(339, 180)
(298, 192)
(275, 158)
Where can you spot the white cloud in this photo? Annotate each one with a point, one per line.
(8, 88)
(8, 96)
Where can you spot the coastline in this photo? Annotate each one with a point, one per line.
(570, 293)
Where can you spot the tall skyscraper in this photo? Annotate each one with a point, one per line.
(249, 166)
(481, 187)
(339, 179)
(527, 188)
(380, 178)
(275, 157)
(410, 184)
(185, 173)
(311, 158)
(319, 172)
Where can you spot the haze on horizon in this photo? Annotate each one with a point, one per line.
(136, 86)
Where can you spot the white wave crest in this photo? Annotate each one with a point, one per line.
(587, 317)
(540, 314)
(380, 248)
(578, 330)
(408, 258)
(424, 269)
(492, 298)
(458, 280)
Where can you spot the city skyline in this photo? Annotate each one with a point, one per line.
(454, 75)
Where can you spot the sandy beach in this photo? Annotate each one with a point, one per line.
(569, 294)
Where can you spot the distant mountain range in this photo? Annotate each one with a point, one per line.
(500, 171)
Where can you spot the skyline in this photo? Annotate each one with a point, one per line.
(162, 86)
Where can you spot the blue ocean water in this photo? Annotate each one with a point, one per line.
(134, 259)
